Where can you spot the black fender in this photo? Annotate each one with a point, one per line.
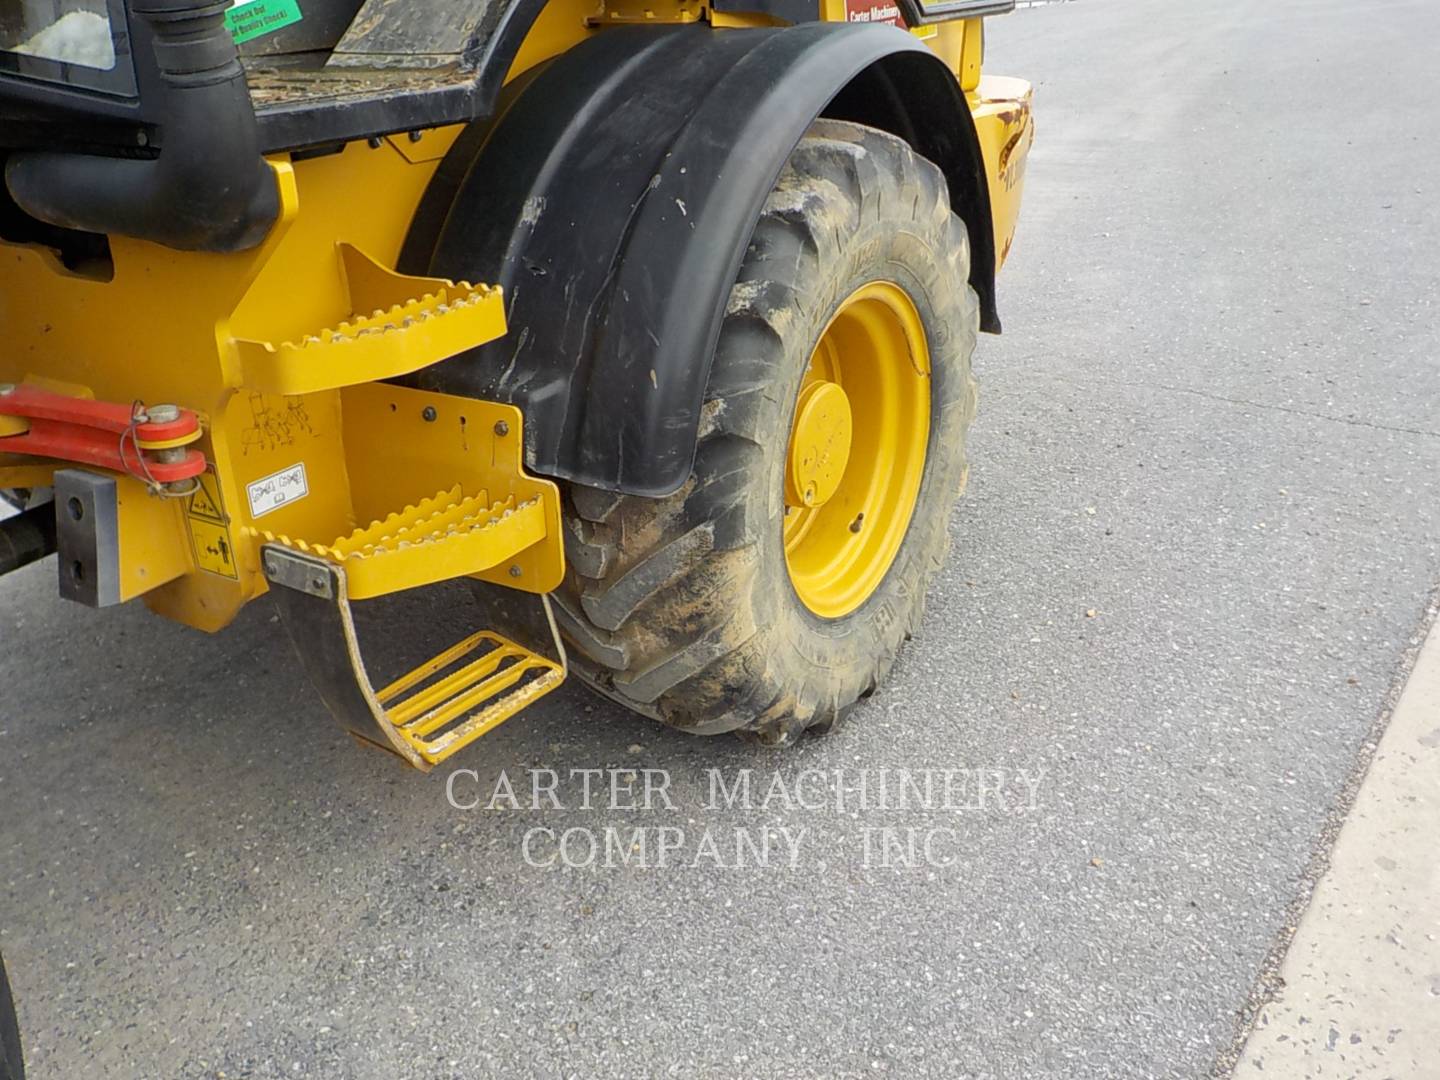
(614, 197)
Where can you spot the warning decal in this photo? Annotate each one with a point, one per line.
(212, 547)
(205, 502)
(209, 533)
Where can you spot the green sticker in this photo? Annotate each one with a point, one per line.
(255, 18)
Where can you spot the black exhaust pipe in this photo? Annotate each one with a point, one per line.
(208, 189)
(27, 537)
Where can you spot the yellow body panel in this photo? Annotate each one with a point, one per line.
(154, 543)
(1003, 120)
(202, 330)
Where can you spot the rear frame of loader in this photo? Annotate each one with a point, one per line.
(272, 246)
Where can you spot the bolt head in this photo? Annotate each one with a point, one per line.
(502, 428)
(429, 414)
(163, 414)
(514, 571)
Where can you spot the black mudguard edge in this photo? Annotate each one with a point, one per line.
(616, 195)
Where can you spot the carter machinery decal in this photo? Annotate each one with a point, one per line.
(873, 11)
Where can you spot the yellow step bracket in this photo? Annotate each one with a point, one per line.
(445, 536)
(412, 322)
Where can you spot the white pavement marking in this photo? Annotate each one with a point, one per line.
(1361, 993)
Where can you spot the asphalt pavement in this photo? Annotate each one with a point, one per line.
(1196, 558)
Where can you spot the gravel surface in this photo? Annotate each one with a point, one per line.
(1198, 546)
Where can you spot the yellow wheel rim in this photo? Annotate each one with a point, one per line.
(857, 449)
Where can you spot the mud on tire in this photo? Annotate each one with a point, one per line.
(681, 608)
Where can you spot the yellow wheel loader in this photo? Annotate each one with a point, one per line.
(656, 316)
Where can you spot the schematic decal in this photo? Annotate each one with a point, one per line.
(277, 490)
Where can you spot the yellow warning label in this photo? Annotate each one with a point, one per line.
(208, 533)
(212, 548)
(205, 502)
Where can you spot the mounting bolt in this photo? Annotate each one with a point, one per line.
(502, 428)
(272, 566)
(514, 571)
(415, 136)
(373, 142)
(429, 414)
(317, 585)
(163, 414)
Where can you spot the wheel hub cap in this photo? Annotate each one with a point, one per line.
(819, 444)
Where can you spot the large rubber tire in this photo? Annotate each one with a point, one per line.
(681, 608)
(12, 1065)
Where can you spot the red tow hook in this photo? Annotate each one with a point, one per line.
(148, 444)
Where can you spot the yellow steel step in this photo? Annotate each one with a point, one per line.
(413, 322)
(428, 714)
(450, 701)
(446, 536)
